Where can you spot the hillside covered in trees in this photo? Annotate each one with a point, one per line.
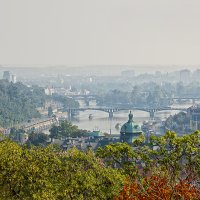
(18, 102)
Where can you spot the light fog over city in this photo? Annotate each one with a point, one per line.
(106, 32)
(99, 99)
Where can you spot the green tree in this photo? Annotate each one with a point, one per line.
(178, 156)
(55, 132)
(90, 178)
(120, 156)
(37, 139)
(18, 103)
(67, 129)
(174, 156)
(48, 174)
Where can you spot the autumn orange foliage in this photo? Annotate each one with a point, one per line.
(159, 188)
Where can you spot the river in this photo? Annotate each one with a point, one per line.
(102, 121)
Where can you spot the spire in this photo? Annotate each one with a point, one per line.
(130, 116)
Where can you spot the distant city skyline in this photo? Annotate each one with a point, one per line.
(99, 70)
(100, 32)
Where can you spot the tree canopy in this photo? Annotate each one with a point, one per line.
(44, 173)
(66, 129)
(18, 102)
(168, 167)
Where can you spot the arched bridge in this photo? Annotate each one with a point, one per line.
(111, 111)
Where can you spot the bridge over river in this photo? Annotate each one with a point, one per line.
(111, 110)
(45, 124)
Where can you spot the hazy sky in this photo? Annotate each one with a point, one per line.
(86, 32)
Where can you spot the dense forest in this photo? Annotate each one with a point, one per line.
(18, 102)
(166, 168)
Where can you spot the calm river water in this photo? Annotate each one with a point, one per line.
(102, 121)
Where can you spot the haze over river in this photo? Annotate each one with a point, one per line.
(102, 121)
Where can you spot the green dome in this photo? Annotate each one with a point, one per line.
(130, 131)
(130, 127)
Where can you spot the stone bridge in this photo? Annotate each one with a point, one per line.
(72, 111)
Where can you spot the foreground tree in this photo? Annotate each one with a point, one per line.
(165, 168)
(90, 178)
(158, 187)
(47, 174)
(178, 156)
(167, 161)
(120, 156)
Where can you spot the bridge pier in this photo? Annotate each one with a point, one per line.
(152, 114)
(110, 113)
(87, 102)
(69, 114)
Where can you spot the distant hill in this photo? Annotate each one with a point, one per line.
(18, 102)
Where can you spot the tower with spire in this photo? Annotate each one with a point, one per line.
(130, 131)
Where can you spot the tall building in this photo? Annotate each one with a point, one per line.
(185, 76)
(196, 75)
(7, 75)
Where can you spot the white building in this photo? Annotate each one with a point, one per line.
(9, 77)
(49, 91)
(14, 78)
